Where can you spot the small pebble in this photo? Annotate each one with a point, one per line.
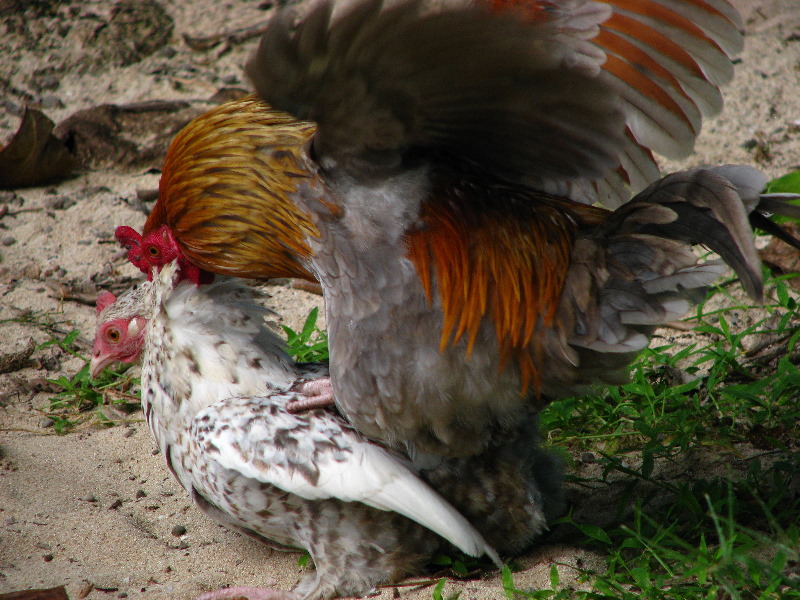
(229, 79)
(178, 530)
(122, 595)
(43, 546)
(587, 457)
(183, 545)
(11, 108)
(141, 494)
(10, 520)
(9, 197)
(49, 82)
(89, 498)
(155, 452)
(60, 202)
(129, 432)
(9, 241)
(47, 557)
(46, 422)
(50, 102)
(115, 505)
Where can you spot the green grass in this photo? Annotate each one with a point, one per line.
(82, 401)
(310, 344)
(691, 490)
(85, 401)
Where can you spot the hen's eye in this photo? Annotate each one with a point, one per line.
(113, 335)
(153, 251)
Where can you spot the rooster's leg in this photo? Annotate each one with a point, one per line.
(318, 394)
(248, 593)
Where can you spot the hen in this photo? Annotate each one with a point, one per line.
(215, 386)
(439, 186)
(302, 480)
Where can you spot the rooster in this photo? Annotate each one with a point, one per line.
(216, 383)
(436, 169)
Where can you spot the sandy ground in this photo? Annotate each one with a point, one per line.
(95, 510)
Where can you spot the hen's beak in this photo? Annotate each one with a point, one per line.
(98, 363)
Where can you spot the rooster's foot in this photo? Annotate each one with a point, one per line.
(318, 394)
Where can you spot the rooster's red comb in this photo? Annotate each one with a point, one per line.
(128, 236)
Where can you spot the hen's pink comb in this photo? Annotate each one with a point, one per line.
(104, 299)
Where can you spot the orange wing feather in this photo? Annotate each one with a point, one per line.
(666, 59)
(652, 38)
(665, 15)
(505, 260)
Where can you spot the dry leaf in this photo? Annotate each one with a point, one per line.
(56, 593)
(128, 136)
(34, 156)
(782, 257)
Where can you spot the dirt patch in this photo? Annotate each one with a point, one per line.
(96, 510)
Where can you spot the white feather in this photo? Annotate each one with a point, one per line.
(360, 472)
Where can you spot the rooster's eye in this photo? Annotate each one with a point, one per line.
(113, 335)
(153, 251)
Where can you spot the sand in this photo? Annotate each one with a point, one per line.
(96, 510)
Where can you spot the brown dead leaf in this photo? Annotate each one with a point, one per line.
(129, 136)
(307, 286)
(34, 156)
(86, 590)
(782, 257)
(56, 593)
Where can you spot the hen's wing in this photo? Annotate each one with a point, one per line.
(312, 455)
